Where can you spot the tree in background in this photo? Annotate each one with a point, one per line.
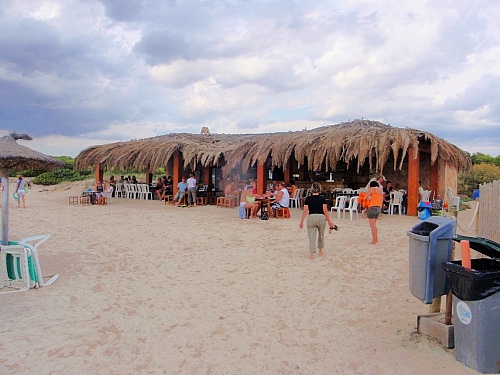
(480, 158)
(486, 168)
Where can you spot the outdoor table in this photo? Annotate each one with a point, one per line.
(91, 194)
(264, 202)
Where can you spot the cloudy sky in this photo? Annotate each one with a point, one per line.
(75, 73)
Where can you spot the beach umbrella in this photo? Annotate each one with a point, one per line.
(16, 156)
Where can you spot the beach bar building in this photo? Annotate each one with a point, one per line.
(342, 155)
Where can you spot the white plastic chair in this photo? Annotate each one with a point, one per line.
(131, 191)
(108, 193)
(347, 191)
(396, 200)
(352, 207)
(452, 200)
(143, 191)
(426, 196)
(20, 255)
(19, 280)
(119, 190)
(295, 201)
(339, 205)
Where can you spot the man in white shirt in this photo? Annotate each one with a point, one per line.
(282, 198)
(191, 185)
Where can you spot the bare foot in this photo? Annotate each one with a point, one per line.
(321, 253)
(373, 242)
(311, 256)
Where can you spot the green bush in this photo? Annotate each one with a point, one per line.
(53, 178)
(481, 173)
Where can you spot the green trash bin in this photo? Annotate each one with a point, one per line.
(476, 306)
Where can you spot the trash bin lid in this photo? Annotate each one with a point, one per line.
(482, 245)
(424, 229)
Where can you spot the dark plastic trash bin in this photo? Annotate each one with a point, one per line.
(430, 244)
(476, 307)
(424, 210)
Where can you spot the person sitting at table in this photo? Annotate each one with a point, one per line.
(247, 201)
(270, 187)
(230, 190)
(387, 196)
(112, 182)
(99, 189)
(181, 190)
(281, 197)
(159, 188)
(169, 185)
(134, 180)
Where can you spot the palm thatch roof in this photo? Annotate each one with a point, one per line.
(16, 156)
(348, 142)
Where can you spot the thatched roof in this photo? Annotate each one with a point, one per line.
(348, 141)
(16, 156)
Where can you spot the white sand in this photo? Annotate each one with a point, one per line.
(146, 288)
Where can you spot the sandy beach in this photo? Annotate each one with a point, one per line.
(146, 288)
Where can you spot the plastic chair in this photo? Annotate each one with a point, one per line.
(14, 269)
(453, 201)
(353, 207)
(426, 196)
(143, 191)
(396, 200)
(119, 190)
(339, 205)
(131, 191)
(105, 195)
(295, 201)
(26, 271)
(347, 191)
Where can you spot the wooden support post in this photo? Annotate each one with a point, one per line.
(434, 179)
(177, 170)
(99, 172)
(303, 171)
(261, 179)
(207, 176)
(413, 178)
(287, 171)
(149, 175)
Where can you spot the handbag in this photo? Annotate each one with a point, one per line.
(264, 216)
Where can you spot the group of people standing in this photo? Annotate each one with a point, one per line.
(184, 187)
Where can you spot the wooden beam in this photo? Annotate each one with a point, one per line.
(99, 172)
(287, 171)
(413, 178)
(261, 178)
(177, 170)
(434, 179)
(149, 175)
